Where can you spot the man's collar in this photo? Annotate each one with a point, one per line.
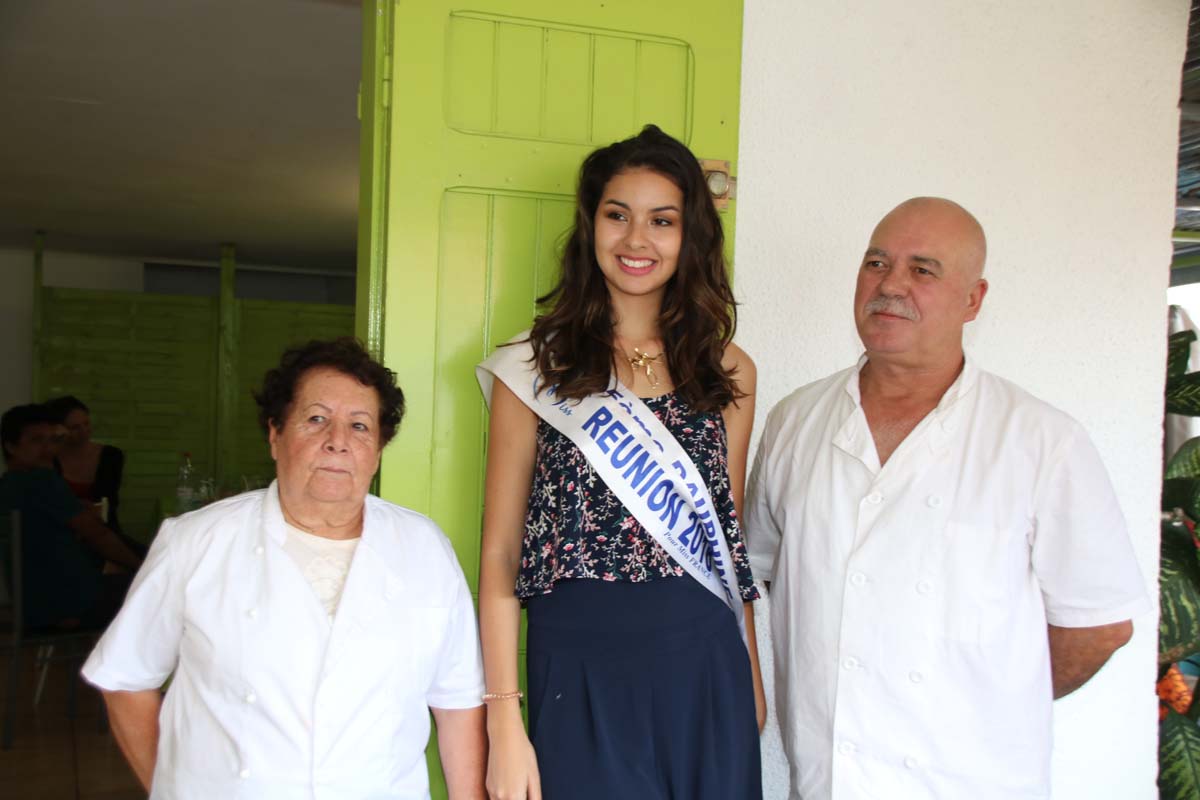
(961, 386)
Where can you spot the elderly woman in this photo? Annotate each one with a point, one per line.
(310, 626)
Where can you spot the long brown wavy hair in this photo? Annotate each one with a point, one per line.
(573, 336)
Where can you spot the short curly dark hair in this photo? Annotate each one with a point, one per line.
(346, 355)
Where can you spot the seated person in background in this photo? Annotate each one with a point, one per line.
(91, 470)
(64, 544)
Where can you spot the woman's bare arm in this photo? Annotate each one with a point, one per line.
(739, 421)
(512, 448)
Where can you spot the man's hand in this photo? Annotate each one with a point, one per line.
(1076, 654)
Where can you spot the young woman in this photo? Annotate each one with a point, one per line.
(640, 684)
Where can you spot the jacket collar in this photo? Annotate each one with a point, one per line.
(272, 515)
(375, 539)
(962, 385)
(854, 435)
(373, 586)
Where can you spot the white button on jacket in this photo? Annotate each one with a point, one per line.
(265, 684)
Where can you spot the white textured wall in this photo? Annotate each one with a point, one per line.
(1057, 124)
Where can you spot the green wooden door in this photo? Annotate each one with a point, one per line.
(491, 112)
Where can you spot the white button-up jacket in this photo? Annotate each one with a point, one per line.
(909, 603)
(270, 697)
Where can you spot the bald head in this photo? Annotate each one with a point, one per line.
(948, 223)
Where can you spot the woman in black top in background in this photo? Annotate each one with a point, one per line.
(92, 470)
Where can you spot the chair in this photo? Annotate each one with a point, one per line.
(65, 642)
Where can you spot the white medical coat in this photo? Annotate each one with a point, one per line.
(270, 697)
(909, 603)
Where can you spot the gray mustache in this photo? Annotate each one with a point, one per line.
(896, 306)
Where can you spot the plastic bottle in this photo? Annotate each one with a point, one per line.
(185, 486)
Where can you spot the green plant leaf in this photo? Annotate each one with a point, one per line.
(1183, 395)
(1178, 347)
(1186, 461)
(1179, 595)
(1178, 758)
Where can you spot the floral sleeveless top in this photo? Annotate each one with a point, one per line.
(577, 528)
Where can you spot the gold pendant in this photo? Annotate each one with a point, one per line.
(640, 360)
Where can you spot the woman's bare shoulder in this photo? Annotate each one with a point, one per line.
(739, 362)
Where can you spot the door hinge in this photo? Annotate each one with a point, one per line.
(385, 85)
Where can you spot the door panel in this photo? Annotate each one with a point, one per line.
(550, 81)
(497, 253)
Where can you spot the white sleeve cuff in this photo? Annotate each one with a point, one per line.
(456, 700)
(111, 680)
(1094, 617)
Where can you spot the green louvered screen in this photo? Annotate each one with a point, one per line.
(265, 330)
(146, 366)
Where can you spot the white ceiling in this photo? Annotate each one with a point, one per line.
(160, 128)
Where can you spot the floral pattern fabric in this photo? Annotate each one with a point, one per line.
(577, 528)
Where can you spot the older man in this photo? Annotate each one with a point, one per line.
(945, 550)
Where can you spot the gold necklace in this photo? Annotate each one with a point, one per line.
(640, 360)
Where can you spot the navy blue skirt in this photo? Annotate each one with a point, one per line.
(640, 690)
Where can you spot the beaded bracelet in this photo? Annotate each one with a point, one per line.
(490, 696)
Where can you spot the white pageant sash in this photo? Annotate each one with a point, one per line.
(639, 460)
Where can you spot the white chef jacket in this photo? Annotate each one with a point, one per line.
(909, 603)
(271, 698)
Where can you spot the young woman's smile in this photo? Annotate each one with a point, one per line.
(636, 266)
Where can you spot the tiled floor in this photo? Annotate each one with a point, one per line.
(57, 758)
